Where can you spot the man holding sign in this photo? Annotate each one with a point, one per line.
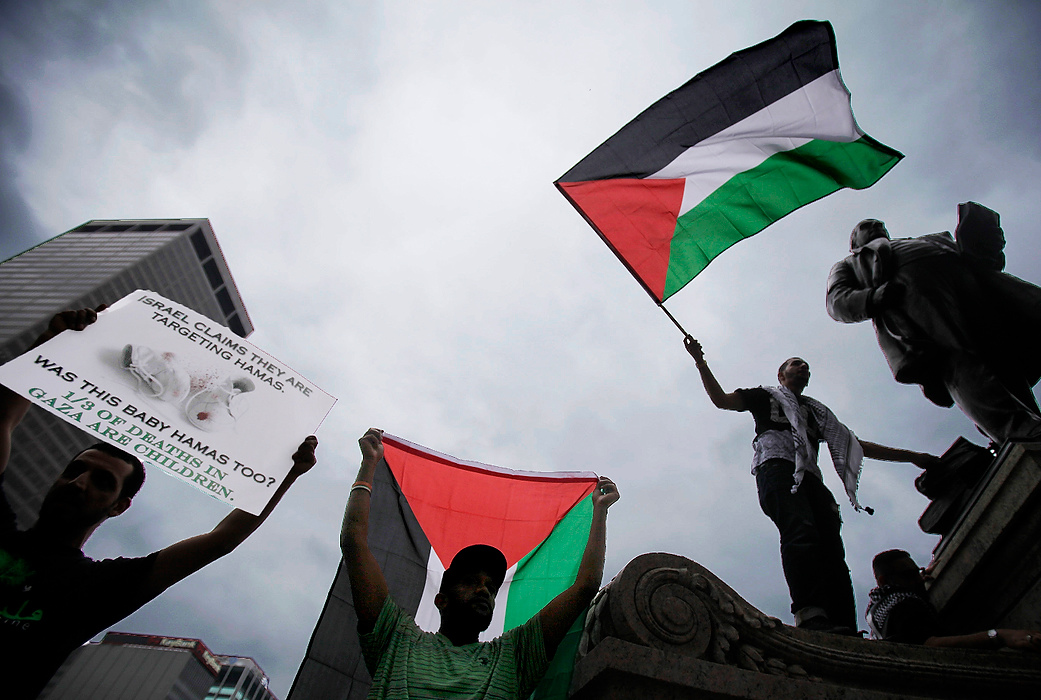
(52, 597)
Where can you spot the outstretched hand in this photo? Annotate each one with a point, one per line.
(75, 320)
(304, 457)
(371, 444)
(694, 348)
(1027, 640)
(605, 493)
(924, 460)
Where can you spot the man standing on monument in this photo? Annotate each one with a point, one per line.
(948, 319)
(788, 428)
(52, 597)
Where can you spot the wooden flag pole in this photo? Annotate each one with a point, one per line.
(673, 319)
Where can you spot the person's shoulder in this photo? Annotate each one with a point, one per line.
(943, 239)
(393, 619)
(752, 396)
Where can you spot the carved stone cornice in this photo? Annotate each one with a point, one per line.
(684, 616)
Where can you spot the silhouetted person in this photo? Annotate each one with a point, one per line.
(52, 597)
(899, 611)
(788, 428)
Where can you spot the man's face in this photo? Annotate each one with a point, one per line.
(904, 573)
(795, 375)
(88, 491)
(471, 601)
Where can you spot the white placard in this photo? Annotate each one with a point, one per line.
(183, 393)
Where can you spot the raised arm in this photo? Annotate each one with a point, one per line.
(719, 398)
(188, 556)
(368, 586)
(13, 407)
(561, 612)
(896, 454)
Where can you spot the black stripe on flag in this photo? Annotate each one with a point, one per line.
(333, 668)
(733, 89)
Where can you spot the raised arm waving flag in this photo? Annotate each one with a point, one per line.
(739, 146)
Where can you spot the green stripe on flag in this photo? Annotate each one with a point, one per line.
(541, 575)
(752, 200)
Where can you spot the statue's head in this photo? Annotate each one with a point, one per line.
(867, 231)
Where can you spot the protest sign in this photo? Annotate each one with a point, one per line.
(183, 393)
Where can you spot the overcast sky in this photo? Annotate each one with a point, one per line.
(379, 176)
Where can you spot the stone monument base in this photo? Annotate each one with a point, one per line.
(667, 628)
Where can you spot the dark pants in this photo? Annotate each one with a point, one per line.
(812, 555)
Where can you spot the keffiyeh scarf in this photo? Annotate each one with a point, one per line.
(883, 600)
(846, 452)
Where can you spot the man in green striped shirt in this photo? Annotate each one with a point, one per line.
(406, 662)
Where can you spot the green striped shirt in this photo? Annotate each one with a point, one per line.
(407, 663)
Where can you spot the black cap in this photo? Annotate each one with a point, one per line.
(476, 557)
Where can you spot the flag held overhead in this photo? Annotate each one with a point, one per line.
(425, 508)
(741, 145)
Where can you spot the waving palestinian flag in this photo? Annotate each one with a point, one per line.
(427, 506)
(750, 140)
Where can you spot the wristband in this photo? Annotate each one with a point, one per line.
(361, 485)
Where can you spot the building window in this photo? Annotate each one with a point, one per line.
(224, 299)
(202, 248)
(213, 273)
(236, 326)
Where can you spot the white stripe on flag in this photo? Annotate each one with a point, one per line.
(819, 110)
(496, 628)
(429, 619)
(427, 616)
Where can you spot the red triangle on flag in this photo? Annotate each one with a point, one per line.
(461, 503)
(637, 218)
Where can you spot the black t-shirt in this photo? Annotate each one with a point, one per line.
(53, 598)
(769, 415)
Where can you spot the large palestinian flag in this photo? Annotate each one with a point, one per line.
(750, 140)
(425, 507)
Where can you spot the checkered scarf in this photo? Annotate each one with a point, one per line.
(846, 452)
(883, 600)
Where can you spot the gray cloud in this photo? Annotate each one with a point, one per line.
(379, 177)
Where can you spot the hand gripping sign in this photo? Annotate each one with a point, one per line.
(183, 393)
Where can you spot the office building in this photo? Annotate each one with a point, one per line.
(143, 667)
(153, 667)
(97, 263)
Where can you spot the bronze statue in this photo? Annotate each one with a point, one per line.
(947, 318)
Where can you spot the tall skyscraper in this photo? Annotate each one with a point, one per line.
(153, 667)
(98, 263)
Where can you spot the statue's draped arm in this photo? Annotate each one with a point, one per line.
(848, 300)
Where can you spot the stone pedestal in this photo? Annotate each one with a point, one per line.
(667, 628)
(987, 568)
